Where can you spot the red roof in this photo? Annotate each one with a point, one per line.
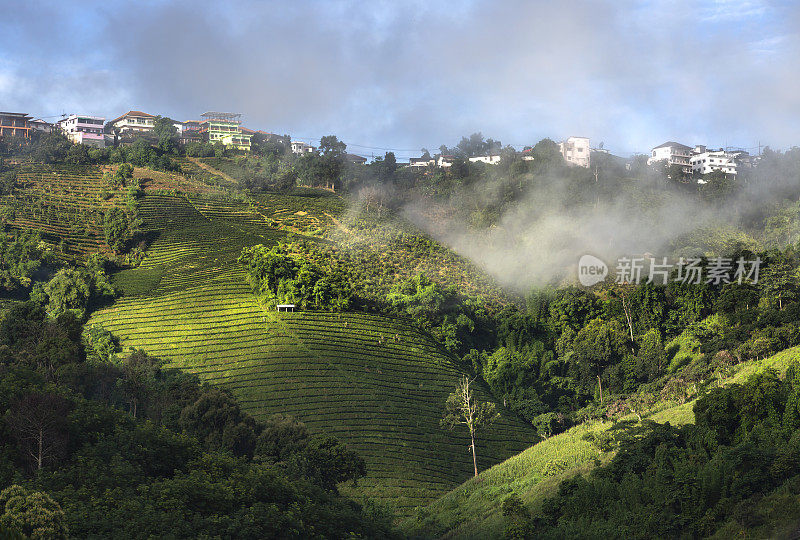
(133, 113)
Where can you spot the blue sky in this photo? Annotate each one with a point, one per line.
(407, 75)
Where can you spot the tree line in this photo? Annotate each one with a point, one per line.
(97, 442)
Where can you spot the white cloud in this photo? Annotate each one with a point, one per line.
(632, 74)
(733, 10)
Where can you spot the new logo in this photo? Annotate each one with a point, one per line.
(591, 270)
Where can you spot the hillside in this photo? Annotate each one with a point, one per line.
(474, 509)
(63, 202)
(376, 383)
(66, 203)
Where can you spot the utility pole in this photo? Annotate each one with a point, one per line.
(596, 190)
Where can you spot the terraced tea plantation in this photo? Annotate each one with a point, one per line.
(376, 383)
(309, 212)
(65, 203)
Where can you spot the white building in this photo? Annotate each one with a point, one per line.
(421, 162)
(672, 153)
(445, 161)
(491, 159)
(576, 151)
(84, 129)
(299, 147)
(715, 160)
(134, 122)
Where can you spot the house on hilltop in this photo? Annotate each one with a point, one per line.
(84, 129)
(191, 132)
(445, 161)
(133, 122)
(424, 161)
(698, 160)
(492, 159)
(673, 153)
(353, 158)
(710, 161)
(299, 147)
(41, 125)
(226, 128)
(576, 151)
(15, 125)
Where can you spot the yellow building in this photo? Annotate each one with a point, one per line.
(226, 129)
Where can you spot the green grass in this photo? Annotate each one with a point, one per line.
(682, 350)
(376, 383)
(473, 509)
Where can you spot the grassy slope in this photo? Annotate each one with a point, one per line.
(473, 509)
(376, 383)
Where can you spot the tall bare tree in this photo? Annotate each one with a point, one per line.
(462, 408)
(39, 424)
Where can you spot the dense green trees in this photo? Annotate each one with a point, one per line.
(456, 320)
(325, 167)
(54, 147)
(281, 275)
(572, 350)
(130, 449)
(166, 134)
(723, 475)
(119, 228)
(21, 255)
(33, 514)
(120, 176)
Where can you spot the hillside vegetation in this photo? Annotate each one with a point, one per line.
(65, 203)
(377, 383)
(476, 510)
(161, 275)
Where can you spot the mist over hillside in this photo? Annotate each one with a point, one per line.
(558, 215)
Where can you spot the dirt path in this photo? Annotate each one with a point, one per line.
(212, 170)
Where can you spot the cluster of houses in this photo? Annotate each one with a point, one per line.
(226, 129)
(699, 160)
(214, 127)
(87, 129)
(575, 150)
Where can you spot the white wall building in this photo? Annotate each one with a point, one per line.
(672, 153)
(134, 122)
(84, 129)
(714, 160)
(299, 147)
(576, 151)
(421, 162)
(491, 159)
(445, 161)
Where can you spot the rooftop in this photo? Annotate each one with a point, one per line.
(15, 114)
(227, 116)
(673, 144)
(133, 113)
